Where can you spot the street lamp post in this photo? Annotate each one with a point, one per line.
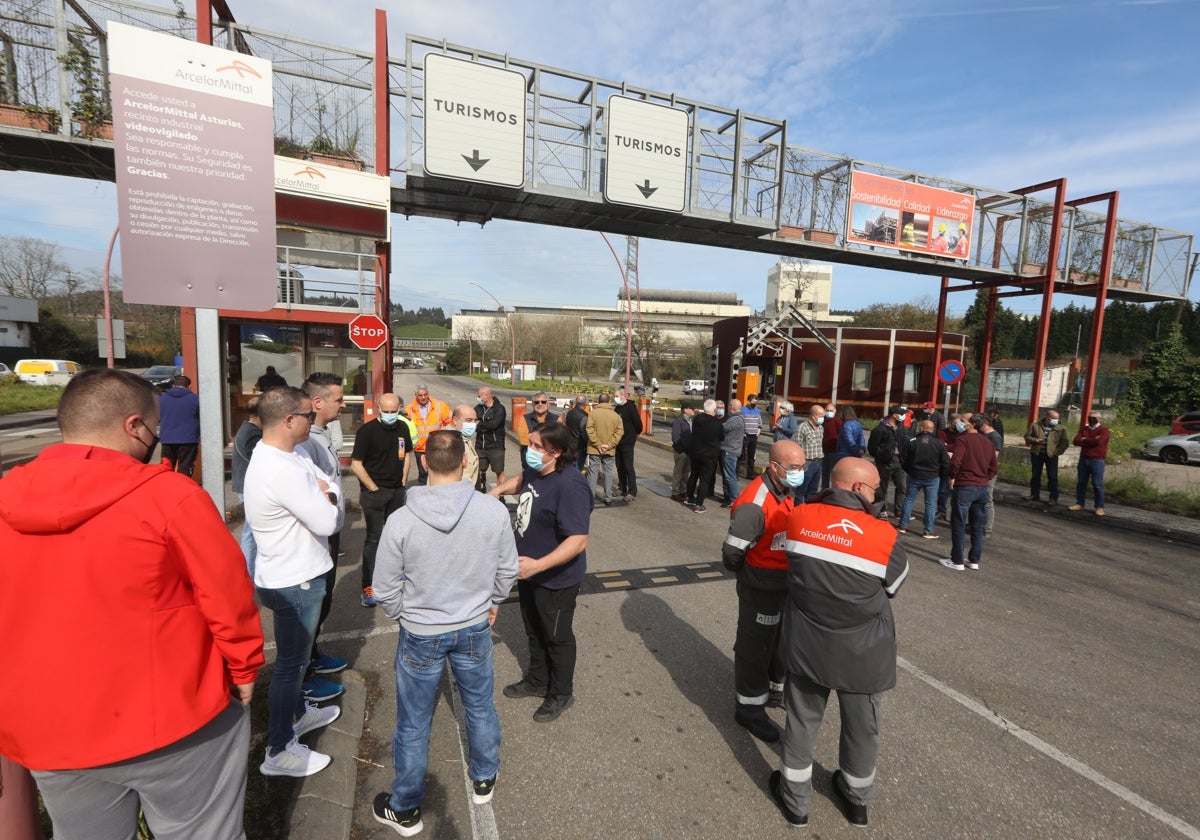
(512, 364)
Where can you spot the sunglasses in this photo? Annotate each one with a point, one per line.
(310, 416)
(541, 402)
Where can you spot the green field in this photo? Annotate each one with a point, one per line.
(17, 396)
(421, 331)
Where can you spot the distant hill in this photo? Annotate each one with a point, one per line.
(421, 331)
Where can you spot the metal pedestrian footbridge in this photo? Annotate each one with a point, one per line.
(472, 136)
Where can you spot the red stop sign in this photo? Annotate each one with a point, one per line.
(368, 332)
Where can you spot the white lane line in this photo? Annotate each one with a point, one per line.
(31, 432)
(1053, 752)
(483, 818)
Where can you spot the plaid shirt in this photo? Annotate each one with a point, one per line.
(809, 437)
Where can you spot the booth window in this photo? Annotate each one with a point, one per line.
(912, 378)
(810, 373)
(861, 380)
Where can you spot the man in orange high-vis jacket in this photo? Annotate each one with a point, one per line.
(428, 415)
(844, 566)
(754, 550)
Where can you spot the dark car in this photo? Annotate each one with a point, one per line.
(160, 376)
(1186, 423)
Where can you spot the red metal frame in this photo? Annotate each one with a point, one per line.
(382, 376)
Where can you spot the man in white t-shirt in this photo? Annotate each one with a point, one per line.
(292, 510)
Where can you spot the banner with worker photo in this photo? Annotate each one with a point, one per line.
(909, 217)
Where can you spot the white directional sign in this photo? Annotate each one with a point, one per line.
(474, 121)
(647, 154)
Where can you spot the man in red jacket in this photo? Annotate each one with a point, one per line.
(1092, 441)
(128, 598)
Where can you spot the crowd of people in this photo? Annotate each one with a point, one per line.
(811, 540)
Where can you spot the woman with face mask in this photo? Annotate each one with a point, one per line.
(553, 517)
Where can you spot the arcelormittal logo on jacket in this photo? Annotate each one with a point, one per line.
(854, 539)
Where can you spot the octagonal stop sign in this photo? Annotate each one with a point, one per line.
(368, 332)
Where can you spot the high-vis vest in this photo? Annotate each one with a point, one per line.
(436, 417)
(853, 539)
(769, 551)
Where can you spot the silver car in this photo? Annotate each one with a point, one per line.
(1175, 449)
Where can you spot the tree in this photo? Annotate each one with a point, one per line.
(1007, 329)
(1165, 385)
(920, 314)
(30, 268)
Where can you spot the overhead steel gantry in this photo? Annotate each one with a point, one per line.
(747, 187)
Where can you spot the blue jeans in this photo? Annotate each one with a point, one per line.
(813, 472)
(249, 546)
(729, 462)
(915, 486)
(296, 610)
(968, 505)
(1090, 469)
(420, 661)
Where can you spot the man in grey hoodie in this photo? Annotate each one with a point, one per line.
(446, 561)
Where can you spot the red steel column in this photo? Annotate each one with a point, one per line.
(985, 352)
(939, 339)
(383, 250)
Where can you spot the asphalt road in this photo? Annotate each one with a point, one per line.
(1052, 694)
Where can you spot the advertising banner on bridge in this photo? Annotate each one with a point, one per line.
(910, 217)
(193, 127)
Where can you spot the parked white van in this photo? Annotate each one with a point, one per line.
(695, 386)
(46, 371)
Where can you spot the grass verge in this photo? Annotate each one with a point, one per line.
(17, 396)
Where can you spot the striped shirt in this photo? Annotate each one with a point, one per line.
(753, 419)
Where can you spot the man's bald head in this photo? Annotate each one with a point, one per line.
(855, 474)
(787, 452)
(926, 426)
(389, 403)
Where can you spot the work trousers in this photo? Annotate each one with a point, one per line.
(602, 464)
(858, 745)
(192, 788)
(749, 453)
(700, 482)
(757, 659)
(1037, 460)
(377, 506)
(626, 474)
(891, 473)
(680, 473)
(549, 616)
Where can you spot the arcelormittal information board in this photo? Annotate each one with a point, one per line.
(193, 129)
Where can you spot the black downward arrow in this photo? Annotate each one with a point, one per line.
(646, 190)
(475, 162)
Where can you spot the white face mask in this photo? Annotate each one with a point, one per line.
(829, 414)
(1054, 421)
(468, 429)
(820, 421)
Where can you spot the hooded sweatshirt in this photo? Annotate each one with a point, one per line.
(445, 559)
(125, 609)
(179, 411)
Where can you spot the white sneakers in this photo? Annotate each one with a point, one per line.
(294, 760)
(314, 718)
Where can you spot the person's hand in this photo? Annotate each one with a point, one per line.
(527, 567)
(323, 485)
(492, 613)
(244, 692)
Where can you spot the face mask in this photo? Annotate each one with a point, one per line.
(1093, 422)
(479, 401)
(830, 414)
(468, 429)
(720, 412)
(389, 417)
(145, 459)
(794, 479)
(897, 417)
(1054, 422)
(821, 420)
(618, 401)
(960, 427)
(535, 461)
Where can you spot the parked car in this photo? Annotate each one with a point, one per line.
(1174, 449)
(46, 371)
(160, 376)
(695, 386)
(1186, 424)
(5, 371)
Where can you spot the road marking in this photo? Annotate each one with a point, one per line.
(483, 818)
(1053, 752)
(31, 432)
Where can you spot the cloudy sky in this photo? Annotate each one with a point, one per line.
(999, 93)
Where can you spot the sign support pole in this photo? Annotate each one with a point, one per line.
(211, 389)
